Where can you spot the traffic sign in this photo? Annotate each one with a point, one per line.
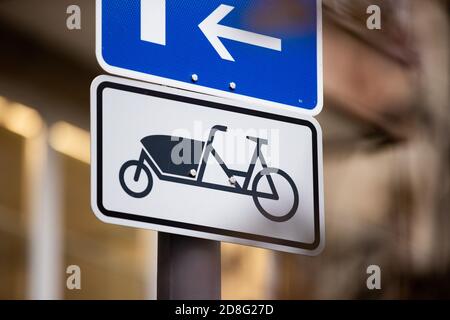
(186, 163)
(260, 51)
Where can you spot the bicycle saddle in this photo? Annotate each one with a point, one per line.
(258, 140)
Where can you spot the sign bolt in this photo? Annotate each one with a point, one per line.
(194, 77)
(233, 180)
(232, 85)
(193, 173)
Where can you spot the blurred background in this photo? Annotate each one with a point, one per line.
(386, 125)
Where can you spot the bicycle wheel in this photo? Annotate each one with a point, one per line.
(272, 216)
(139, 165)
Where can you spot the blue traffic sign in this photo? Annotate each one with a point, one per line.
(261, 51)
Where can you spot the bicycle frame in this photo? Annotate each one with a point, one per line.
(209, 150)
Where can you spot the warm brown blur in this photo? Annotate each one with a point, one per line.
(386, 124)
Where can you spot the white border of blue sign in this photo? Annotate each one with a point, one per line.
(214, 92)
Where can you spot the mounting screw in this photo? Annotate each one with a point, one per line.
(233, 180)
(193, 173)
(232, 85)
(194, 77)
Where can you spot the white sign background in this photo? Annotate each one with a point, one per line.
(124, 111)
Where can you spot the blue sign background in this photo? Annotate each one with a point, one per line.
(290, 77)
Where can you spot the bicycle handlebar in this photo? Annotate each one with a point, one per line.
(213, 132)
(219, 128)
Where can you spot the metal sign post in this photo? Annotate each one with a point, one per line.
(188, 268)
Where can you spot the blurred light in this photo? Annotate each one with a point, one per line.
(71, 141)
(3, 107)
(20, 119)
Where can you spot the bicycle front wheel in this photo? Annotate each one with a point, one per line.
(132, 185)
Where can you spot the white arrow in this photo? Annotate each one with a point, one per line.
(213, 31)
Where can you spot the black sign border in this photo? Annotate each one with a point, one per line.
(182, 225)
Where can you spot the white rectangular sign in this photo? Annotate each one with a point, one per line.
(196, 165)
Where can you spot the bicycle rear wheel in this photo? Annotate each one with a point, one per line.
(275, 216)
